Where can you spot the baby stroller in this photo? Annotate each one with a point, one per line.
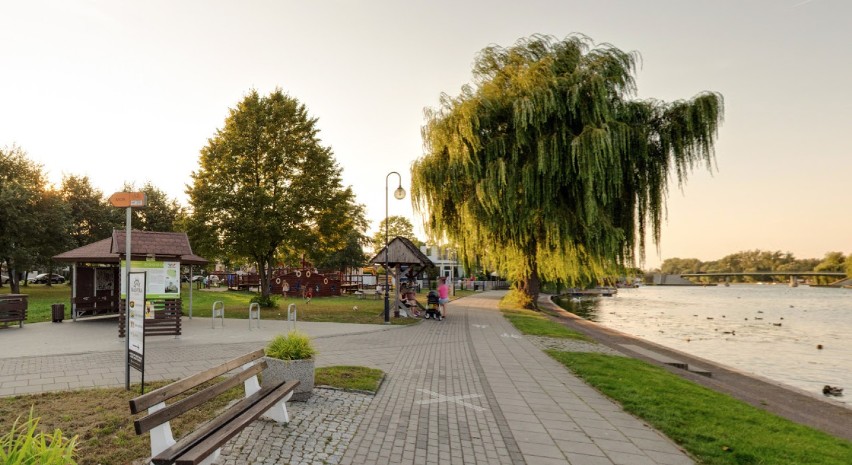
(432, 306)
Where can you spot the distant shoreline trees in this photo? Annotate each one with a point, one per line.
(750, 261)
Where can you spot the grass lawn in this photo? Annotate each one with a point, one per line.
(715, 428)
(339, 309)
(101, 418)
(537, 324)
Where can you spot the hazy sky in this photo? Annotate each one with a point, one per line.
(131, 91)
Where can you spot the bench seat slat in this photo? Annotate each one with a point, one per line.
(194, 447)
(165, 393)
(161, 416)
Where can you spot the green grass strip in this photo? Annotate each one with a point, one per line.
(349, 377)
(715, 428)
(537, 324)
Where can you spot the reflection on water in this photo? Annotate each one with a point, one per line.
(771, 331)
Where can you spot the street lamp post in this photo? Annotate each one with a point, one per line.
(398, 194)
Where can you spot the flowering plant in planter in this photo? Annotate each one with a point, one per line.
(288, 357)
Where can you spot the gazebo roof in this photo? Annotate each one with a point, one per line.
(402, 251)
(162, 245)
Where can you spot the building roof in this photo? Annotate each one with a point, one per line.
(162, 245)
(402, 251)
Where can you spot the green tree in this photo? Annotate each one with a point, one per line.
(351, 255)
(266, 187)
(160, 213)
(53, 235)
(681, 265)
(34, 223)
(92, 216)
(546, 166)
(397, 226)
(833, 261)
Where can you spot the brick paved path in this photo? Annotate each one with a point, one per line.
(467, 390)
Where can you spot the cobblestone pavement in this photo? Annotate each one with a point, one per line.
(471, 390)
(570, 345)
(319, 432)
(467, 390)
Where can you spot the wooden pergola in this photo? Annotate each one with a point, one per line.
(402, 254)
(96, 275)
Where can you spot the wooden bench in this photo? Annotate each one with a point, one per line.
(93, 306)
(202, 445)
(13, 308)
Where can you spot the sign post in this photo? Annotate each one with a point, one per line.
(127, 200)
(137, 307)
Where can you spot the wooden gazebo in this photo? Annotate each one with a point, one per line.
(96, 276)
(402, 257)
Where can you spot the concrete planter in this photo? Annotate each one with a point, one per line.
(286, 370)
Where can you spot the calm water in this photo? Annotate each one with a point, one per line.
(771, 330)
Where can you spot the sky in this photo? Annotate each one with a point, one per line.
(131, 91)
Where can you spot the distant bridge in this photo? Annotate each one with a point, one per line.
(794, 275)
(838, 274)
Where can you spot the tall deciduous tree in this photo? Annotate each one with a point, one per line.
(397, 226)
(548, 168)
(267, 187)
(90, 213)
(34, 221)
(21, 182)
(160, 213)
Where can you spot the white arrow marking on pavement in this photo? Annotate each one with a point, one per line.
(436, 398)
(480, 326)
(513, 336)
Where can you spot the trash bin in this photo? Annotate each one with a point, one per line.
(58, 312)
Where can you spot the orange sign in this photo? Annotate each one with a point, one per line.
(128, 199)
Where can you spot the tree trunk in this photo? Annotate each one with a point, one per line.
(264, 278)
(531, 285)
(14, 282)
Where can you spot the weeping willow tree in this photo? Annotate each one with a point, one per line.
(548, 168)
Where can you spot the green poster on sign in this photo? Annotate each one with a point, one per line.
(162, 278)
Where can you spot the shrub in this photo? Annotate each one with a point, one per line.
(293, 346)
(25, 444)
(269, 301)
(516, 299)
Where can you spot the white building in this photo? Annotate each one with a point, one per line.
(445, 260)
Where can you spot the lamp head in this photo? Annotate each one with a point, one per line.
(399, 193)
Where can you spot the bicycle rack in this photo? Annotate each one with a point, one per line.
(218, 310)
(254, 314)
(292, 316)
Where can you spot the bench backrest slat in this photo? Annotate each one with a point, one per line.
(12, 305)
(217, 431)
(161, 416)
(165, 393)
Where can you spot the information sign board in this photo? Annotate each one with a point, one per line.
(136, 322)
(163, 278)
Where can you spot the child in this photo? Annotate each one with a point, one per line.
(443, 298)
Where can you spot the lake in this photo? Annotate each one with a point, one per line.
(769, 330)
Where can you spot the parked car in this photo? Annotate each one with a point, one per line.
(42, 279)
(4, 279)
